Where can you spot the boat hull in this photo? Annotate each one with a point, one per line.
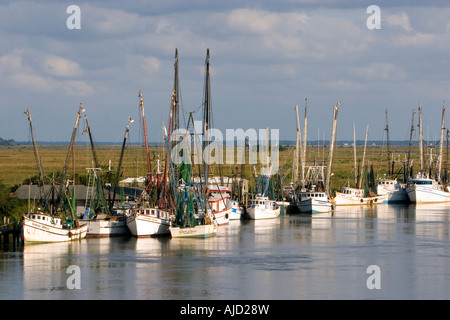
(257, 213)
(236, 209)
(223, 217)
(349, 200)
(106, 227)
(396, 196)
(148, 226)
(199, 231)
(314, 206)
(236, 213)
(34, 231)
(419, 194)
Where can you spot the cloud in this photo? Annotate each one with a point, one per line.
(31, 81)
(150, 64)
(401, 20)
(377, 71)
(20, 72)
(61, 67)
(418, 39)
(76, 88)
(11, 62)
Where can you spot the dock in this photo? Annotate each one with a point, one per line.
(10, 232)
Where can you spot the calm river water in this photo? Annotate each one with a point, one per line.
(293, 257)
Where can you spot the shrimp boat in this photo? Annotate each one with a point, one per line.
(312, 199)
(393, 191)
(347, 196)
(43, 226)
(261, 207)
(194, 216)
(422, 189)
(145, 220)
(218, 198)
(237, 211)
(100, 218)
(193, 219)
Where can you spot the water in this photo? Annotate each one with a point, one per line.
(293, 257)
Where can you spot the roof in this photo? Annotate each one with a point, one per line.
(34, 192)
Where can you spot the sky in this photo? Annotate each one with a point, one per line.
(266, 57)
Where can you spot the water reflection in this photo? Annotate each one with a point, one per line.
(323, 256)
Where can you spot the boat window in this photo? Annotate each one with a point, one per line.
(153, 212)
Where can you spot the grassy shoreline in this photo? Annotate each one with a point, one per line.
(18, 163)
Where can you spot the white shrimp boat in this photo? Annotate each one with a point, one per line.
(393, 191)
(422, 189)
(237, 210)
(313, 202)
(347, 196)
(199, 231)
(149, 222)
(263, 208)
(208, 228)
(42, 227)
(107, 226)
(220, 208)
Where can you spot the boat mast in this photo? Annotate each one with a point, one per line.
(206, 120)
(167, 135)
(305, 141)
(421, 139)
(442, 142)
(119, 167)
(36, 153)
(297, 149)
(66, 162)
(94, 153)
(149, 165)
(354, 156)
(333, 138)
(363, 159)
(408, 174)
(98, 181)
(72, 140)
(388, 151)
(175, 122)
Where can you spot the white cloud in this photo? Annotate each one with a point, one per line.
(61, 67)
(401, 20)
(76, 88)
(32, 81)
(21, 74)
(150, 64)
(418, 39)
(11, 62)
(380, 71)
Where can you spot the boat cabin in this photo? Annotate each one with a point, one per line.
(263, 201)
(352, 191)
(152, 212)
(44, 218)
(307, 195)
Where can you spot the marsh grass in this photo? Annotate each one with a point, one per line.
(18, 163)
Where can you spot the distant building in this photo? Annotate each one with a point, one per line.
(82, 194)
